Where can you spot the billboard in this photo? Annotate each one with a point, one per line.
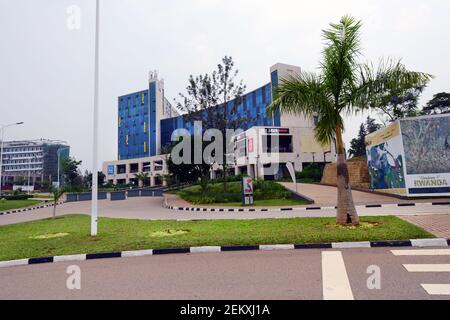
(426, 142)
(386, 160)
(411, 157)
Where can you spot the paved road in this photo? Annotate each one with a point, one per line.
(297, 275)
(151, 209)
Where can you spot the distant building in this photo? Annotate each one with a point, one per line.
(33, 160)
(146, 122)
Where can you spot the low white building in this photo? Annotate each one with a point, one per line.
(263, 152)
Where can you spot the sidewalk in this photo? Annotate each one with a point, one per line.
(327, 195)
(438, 225)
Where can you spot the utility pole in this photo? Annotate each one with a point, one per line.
(94, 206)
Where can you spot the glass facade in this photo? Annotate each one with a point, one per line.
(134, 126)
(253, 107)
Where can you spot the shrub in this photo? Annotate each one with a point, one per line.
(311, 173)
(18, 197)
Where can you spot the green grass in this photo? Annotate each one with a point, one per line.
(17, 204)
(70, 234)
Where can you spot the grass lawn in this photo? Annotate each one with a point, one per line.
(70, 234)
(17, 204)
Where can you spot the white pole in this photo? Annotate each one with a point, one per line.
(59, 161)
(1, 160)
(94, 207)
(29, 171)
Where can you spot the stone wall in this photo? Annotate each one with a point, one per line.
(358, 171)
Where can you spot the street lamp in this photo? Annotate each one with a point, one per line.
(94, 204)
(2, 128)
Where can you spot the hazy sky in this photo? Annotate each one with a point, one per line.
(46, 69)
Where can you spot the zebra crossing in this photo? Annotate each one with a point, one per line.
(432, 289)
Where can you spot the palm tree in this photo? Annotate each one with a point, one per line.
(344, 86)
(142, 176)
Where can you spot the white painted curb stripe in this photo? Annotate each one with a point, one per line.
(13, 263)
(139, 253)
(350, 245)
(277, 247)
(437, 289)
(427, 267)
(429, 243)
(78, 257)
(204, 249)
(424, 252)
(335, 282)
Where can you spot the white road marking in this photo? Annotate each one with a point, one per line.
(437, 289)
(427, 267)
(335, 282)
(424, 252)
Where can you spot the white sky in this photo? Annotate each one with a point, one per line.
(46, 70)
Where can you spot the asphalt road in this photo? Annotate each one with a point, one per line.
(151, 209)
(293, 275)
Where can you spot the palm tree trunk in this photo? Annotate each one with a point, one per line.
(54, 210)
(346, 212)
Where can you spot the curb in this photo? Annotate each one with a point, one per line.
(418, 243)
(29, 209)
(369, 206)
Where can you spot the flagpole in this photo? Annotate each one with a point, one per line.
(94, 205)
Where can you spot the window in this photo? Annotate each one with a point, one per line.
(277, 144)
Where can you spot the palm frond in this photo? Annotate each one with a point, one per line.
(302, 94)
(376, 86)
(342, 47)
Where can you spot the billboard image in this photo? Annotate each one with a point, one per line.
(411, 157)
(426, 143)
(386, 161)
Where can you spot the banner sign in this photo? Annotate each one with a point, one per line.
(277, 130)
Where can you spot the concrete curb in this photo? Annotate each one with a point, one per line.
(29, 209)
(369, 206)
(418, 243)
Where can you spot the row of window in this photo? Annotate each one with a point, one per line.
(10, 168)
(25, 149)
(20, 161)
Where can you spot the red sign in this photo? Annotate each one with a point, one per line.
(250, 145)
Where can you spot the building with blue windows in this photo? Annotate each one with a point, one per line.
(147, 121)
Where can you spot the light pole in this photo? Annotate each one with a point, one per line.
(59, 163)
(2, 128)
(94, 205)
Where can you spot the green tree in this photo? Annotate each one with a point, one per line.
(191, 172)
(101, 177)
(440, 104)
(358, 145)
(343, 87)
(397, 104)
(213, 99)
(142, 177)
(57, 194)
(72, 175)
